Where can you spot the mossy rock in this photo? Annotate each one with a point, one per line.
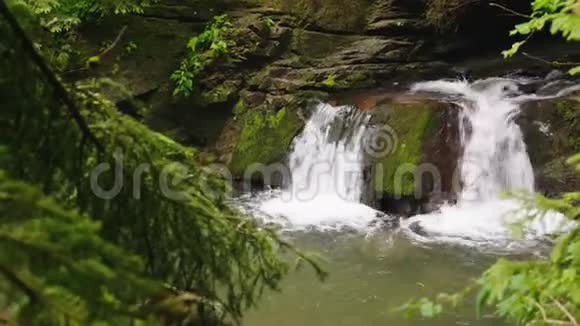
(221, 93)
(265, 137)
(409, 129)
(552, 134)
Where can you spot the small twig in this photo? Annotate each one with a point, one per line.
(60, 90)
(51, 22)
(114, 44)
(566, 312)
(545, 317)
(511, 11)
(551, 63)
(542, 311)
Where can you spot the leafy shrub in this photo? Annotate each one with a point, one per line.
(63, 15)
(560, 16)
(202, 50)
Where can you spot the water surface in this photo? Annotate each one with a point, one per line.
(369, 277)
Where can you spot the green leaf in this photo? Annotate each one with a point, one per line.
(481, 300)
(574, 71)
(513, 50)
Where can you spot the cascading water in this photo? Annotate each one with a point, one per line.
(495, 157)
(326, 165)
(327, 157)
(494, 161)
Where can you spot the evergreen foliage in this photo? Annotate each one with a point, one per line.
(57, 259)
(53, 137)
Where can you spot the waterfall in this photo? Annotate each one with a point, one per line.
(327, 175)
(327, 170)
(494, 161)
(327, 157)
(494, 158)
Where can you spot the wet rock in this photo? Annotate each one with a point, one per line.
(555, 75)
(265, 137)
(422, 148)
(417, 228)
(283, 54)
(551, 131)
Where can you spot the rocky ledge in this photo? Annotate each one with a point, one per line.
(248, 107)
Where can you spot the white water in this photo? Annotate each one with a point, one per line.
(494, 161)
(326, 164)
(327, 161)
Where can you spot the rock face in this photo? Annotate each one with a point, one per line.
(282, 53)
(249, 105)
(552, 134)
(415, 169)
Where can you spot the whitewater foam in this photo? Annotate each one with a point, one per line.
(326, 163)
(494, 161)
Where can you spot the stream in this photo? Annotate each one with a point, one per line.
(378, 262)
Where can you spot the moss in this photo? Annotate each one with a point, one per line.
(221, 93)
(345, 81)
(260, 77)
(556, 169)
(330, 80)
(356, 77)
(411, 126)
(308, 75)
(240, 107)
(569, 111)
(265, 138)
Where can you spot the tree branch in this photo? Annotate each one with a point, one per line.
(60, 90)
(551, 63)
(511, 11)
(114, 44)
(566, 312)
(18, 282)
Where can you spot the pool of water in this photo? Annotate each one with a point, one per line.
(370, 276)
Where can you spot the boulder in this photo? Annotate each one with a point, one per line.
(551, 130)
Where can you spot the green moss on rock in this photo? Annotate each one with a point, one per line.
(411, 126)
(221, 93)
(569, 111)
(265, 138)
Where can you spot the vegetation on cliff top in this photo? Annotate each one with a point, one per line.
(202, 50)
